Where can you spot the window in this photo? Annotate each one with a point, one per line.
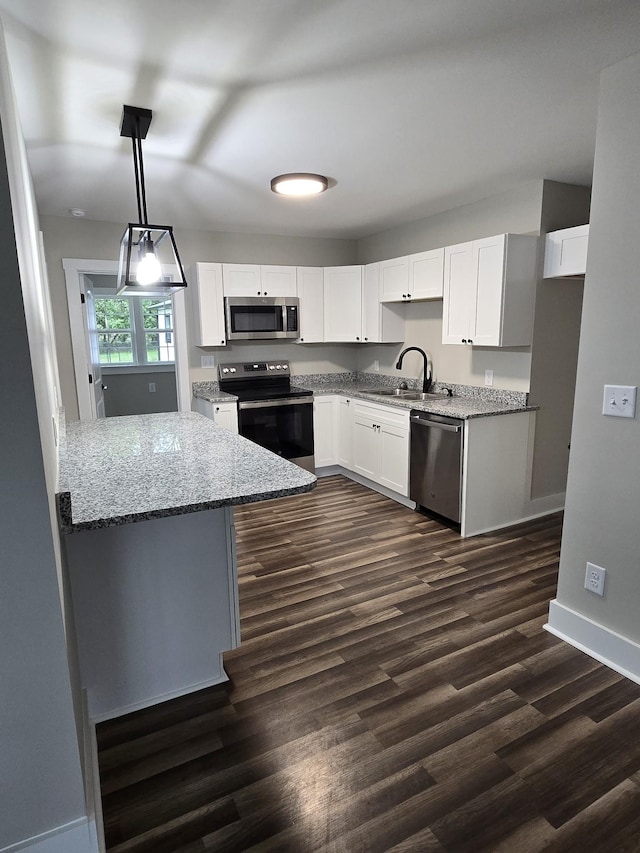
(132, 330)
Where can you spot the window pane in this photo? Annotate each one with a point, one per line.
(159, 346)
(115, 347)
(113, 313)
(157, 313)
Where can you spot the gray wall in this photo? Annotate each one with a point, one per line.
(65, 237)
(128, 393)
(554, 351)
(40, 775)
(518, 211)
(603, 494)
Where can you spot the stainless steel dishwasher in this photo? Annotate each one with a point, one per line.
(435, 473)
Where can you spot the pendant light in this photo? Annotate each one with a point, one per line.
(144, 248)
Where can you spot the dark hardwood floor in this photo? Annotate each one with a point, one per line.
(394, 691)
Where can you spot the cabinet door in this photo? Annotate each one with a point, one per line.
(226, 415)
(489, 268)
(342, 304)
(371, 304)
(344, 445)
(366, 447)
(566, 252)
(459, 294)
(278, 280)
(394, 458)
(394, 280)
(426, 274)
(208, 306)
(241, 280)
(310, 285)
(324, 430)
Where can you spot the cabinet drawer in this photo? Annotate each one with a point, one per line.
(383, 414)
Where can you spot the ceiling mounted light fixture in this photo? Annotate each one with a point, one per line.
(299, 184)
(144, 247)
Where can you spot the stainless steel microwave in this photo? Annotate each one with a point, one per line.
(260, 318)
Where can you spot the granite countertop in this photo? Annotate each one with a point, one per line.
(119, 470)
(454, 407)
(472, 404)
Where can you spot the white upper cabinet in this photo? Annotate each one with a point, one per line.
(381, 323)
(311, 295)
(208, 306)
(343, 304)
(426, 274)
(565, 252)
(394, 280)
(489, 291)
(258, 280)
(412, 277)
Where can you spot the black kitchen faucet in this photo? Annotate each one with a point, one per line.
(427, 375)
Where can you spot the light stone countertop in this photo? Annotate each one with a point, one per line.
(458, 406)
(119, 470)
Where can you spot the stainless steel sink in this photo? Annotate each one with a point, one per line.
(405, 394)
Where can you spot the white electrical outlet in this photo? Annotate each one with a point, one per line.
(376, 366)
(619, 401)
(207, 361)
(152, 387)
(594, 578)
(488, 377)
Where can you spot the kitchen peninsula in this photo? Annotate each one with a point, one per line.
(147, 502)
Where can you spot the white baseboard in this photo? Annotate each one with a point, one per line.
(545, 505)
(610, 648)
(155, 700)
(79, 836)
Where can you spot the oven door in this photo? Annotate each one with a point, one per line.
(283, 426)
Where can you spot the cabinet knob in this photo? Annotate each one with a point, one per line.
(357, 338)
(404, 295)
(366, 339)
(408, 296)
(464, 340)
(217, 408)
(469, 341)
(221, 342)
(265, 293)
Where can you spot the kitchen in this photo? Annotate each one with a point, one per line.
(510, 211)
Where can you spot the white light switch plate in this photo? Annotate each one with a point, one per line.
(619, 401)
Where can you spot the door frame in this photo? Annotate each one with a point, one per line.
(74, 269)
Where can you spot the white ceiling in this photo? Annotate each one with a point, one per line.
(411, 106)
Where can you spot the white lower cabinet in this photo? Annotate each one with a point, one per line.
(344, 432)
(324, 430)
(381, 445)
(223, 414)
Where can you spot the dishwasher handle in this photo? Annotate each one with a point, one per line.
(435, 424)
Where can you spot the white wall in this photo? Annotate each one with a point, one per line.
(41, 785)
(73, 238)
(603, 494)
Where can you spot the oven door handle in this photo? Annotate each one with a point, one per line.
(267, 404)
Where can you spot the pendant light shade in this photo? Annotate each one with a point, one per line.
(144, 248)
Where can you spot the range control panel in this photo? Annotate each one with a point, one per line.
(253, 369)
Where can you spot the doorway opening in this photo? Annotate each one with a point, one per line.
(129, 352)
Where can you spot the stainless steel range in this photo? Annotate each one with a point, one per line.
(271, 411)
